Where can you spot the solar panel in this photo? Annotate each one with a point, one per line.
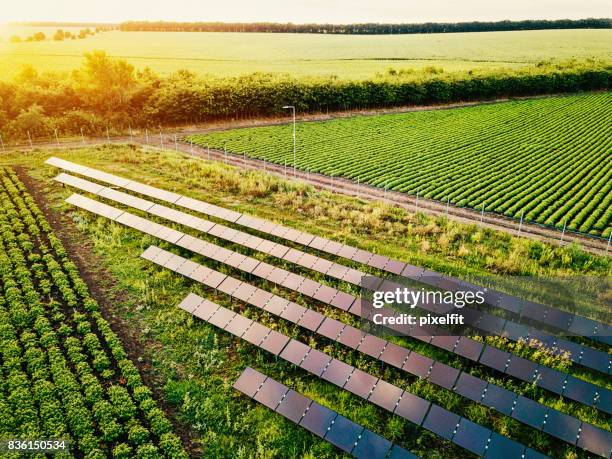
(595, 440)
(351, 337)
(249, 382)
(311, 320)
(470, 386)
(256, 333)
(293, 312)
(244, 292)
(412, 408)
(398, 452)
(577, 389)
(238, 325)
(441, 422)
(361, 383)
(308, 287)
(315, 362)
(276, 305)
(337, 372)
(330, 328)
(472, 437)
(562, 426)
(394, 355)
(274, 342)
(325, 294)
(418, 364)
(372, 346)
(494, 358)
(190, 303)
(76, 182)
(501, 447)
(529, 412)
(443, 375)
(294, 352)
(271, 393)
(521, 368)
(343, 433)
(292, 281)
(499, 398)
(385, 395)
(293, 406)
(205, 310)
(317, 419)
(222, 317)
(371, 446)
(278, 250)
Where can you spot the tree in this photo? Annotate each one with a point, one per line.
(59, 35)
(39, 36)
(15, 39)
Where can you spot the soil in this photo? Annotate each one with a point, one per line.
(100, 283)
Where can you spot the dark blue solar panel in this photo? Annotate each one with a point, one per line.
(529, 412)
(470, 386)
(500, 399)
(317, 419)
(472, 437)
(371, 446)
(576, 389)
(503, 448)
(595, 440)
(468, 348)
(343, 433)
(412, 408)
(293, 406)
(443, 375)
(494, 358)
(562, 426)
(398, 452)
(441, 421)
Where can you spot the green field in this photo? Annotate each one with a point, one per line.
(547, 160)
(348, 56)
(194, 364)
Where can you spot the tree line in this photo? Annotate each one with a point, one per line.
(107, 93)
(366, 28)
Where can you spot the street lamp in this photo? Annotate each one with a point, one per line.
(293, 112)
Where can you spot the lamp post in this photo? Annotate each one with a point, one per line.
(292, 108)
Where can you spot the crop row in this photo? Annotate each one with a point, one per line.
(546, 160)
(64, 373)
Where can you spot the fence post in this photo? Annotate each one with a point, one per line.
(82, 137)
(608, 245)
(131, 135)
(562, 233)
(56, 138)
(30, 139)
(2, 143)
(107, 135)
(147, 135)
(416, 203)
(481, 214)
(521, 223)
(447, 204)
(161, 139)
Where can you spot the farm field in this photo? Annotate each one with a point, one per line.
(352, 57)
(546, 160)
(65, 374)
(196, 364)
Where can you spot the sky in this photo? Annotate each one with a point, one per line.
(300, 11)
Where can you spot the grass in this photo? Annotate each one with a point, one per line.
(541, 159)
(230, 54)
(196, 364)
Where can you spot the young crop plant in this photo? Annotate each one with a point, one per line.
(64, 373)
(546, 161)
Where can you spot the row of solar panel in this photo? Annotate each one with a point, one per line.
(321, 421)
(473, 437)
(544, 314)
(545, 377)
(551, 421)
(583, 355)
